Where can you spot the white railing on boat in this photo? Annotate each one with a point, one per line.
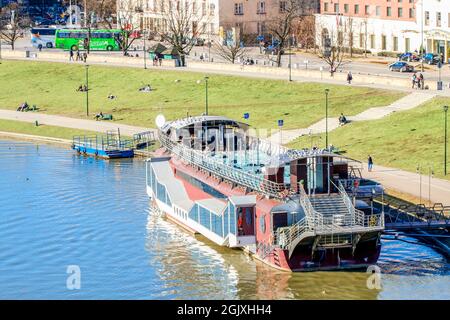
(218, 168)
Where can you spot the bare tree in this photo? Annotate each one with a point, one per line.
(183, 22)
(104, 11)
(332, 50)
(305, 31)
(99, 12)
(282, 25)
(12, 23)
(126, 13)
(232, 49)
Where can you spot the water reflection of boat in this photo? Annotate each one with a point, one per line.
(287, 208)
(195, 267)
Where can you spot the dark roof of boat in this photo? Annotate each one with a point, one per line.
(185, 122)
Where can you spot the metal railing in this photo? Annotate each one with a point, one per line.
(306, 204)
(101, 143)
(356, 216)
(223, 170)
(316, 223)
(284, 236)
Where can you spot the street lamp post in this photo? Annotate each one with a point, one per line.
(209, 50)
(87, 90)
(145, 51)
(445, 140)
(326, 117)
(290, 60)
(206, 95)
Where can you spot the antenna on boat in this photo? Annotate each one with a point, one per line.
(160, 120)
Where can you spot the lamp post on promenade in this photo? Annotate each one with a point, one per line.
(87, 90)
(326, 117)
(445, 140)
(206, 95)
(290, 60)
(145, 50)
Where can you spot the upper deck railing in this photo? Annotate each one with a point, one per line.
(223, 170)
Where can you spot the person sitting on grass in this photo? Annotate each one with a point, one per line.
(342, 120)
(146, 88)
(99, 116)
(112, 97)
(23, 107)
(80, 88)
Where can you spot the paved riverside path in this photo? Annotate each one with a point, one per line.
(60, 121)
(408, 182)
(410, 101)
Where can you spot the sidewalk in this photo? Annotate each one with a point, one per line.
(408, 182)
(52, 120)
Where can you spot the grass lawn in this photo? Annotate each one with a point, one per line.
(51, 86)
(41, 130)
(402, 140)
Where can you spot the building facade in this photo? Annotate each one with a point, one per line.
(212, 16)
(388, 25)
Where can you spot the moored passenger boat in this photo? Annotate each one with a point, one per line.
(288, 208)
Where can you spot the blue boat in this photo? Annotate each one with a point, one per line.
(109, 146)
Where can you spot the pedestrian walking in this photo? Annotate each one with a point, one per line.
(349, 77)
(413, 80)
(71, 55)
(78, 57)
(369, 163)
(422, 81)
(85, 56)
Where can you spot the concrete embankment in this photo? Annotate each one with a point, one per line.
(30, 137)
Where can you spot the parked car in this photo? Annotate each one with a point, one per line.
(401, 66)
(363, 188)
(271, 49)
(431, 58)
(409, 56)
(199, 42)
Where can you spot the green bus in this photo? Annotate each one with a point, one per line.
(106, 40)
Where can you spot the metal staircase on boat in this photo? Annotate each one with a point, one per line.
(325, 217)
(331, 206)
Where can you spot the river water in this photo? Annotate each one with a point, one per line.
(58, 209)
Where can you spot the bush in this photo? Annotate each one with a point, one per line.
(387, 54)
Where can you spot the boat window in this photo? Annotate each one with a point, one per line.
(262, 223)
(280, 219)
